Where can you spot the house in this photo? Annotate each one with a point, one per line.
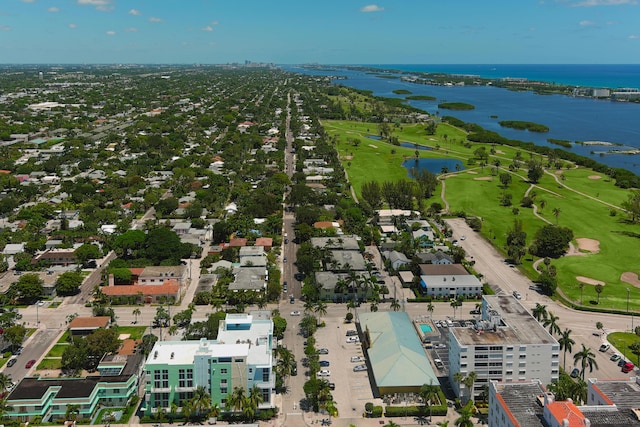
(241, 356)
(423, 239)
(63, 257)
(438, 257)
(181, 228)
(81, 326)
(52, 244)
(13, 248)
(157, 275)
(169, 290)
(249, 279)
(237, 242)
(253, 256)
(396, 259)
(265, 242)
(337, 288)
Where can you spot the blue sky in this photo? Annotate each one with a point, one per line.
(323, 31)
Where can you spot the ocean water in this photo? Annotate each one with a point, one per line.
(568, 118)
(585, 75)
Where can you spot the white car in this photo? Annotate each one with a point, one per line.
(324, 373)
(357, 359)
(359, 368)
(295, 313)
(353, 339)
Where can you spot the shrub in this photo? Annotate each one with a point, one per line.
(377, 412)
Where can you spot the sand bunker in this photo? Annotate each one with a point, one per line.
(472, 172)
(589, 281)
(347, 157)
(483, 178)
(558, 172)
(594, 177)
(373, 146)
(499, 152)
(630, 278)
(588, 245)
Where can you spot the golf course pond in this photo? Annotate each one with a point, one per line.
(436, 166)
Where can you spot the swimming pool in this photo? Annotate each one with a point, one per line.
(425, 328)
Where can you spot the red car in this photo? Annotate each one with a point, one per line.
(30, 363)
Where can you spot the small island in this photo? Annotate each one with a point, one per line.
(561, 142)
(521, 125)
(456, 106)
(402, 92)
(421, 98)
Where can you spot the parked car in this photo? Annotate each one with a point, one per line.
(359, 368)
(627, 367)
(324, 363)
(621, 361)
(284, 287)
(352, 333)
(575, 373)
(517, 294)
(605, 347)
(357, 359)
(295, 313)
(324, 373)
(30, 363)
(323, 351)
(12, 362)
(294, 369)
(292, 299)
(332, 386)
(615, 357)
(438, 363)
(353, 339)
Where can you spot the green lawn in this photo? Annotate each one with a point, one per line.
(50, 363)
(581, 200)
(136, 332)
(57, 350)
(621, 341)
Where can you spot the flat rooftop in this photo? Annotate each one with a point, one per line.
(518, 327)
(521, 400)
(623, 393)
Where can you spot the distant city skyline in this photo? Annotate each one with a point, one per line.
(327, 32)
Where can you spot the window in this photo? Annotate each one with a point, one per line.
(223, 390)
(523, 356)
(223, 382)
(223, 370)
(265, 375)
(185, 377)
(161, 378)
(238, 360)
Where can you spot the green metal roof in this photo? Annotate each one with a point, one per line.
(396, 354)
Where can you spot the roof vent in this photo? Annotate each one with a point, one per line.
(155, 354)
(172, 353)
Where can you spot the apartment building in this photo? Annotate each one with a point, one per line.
(507, 344)
(241, 356)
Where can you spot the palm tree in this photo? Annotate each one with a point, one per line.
(351, 305)
(320, 308)
(236, 400)
(392, 424)
(566, 344)
(552, 322)
(586, 358)
(454, 304)
(430, 308)
(465, 416)
(599, 289)
(556, 213)
(581, 286)
(395, 305)
(251, 402)
(444, 423)
(136, 312)
(214, 411)
(5, 382)
(72, 412)
(469, 382)
(540, 312)
(309, 306)
(201, 401)
(4, 408)
(458, 377)
(429, 394)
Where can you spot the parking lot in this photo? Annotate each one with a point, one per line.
(353, 389)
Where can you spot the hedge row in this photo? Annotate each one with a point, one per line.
(414, 411)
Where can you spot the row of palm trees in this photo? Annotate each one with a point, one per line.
(585, 358)
(5, 384)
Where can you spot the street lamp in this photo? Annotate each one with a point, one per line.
(628, 300)
(38, 313)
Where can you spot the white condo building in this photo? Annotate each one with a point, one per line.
(507, 344)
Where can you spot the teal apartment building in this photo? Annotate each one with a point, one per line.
(241, 356)
(47, 399)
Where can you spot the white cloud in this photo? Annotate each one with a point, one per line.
(214, 22)
(586, 23)
(53, 10)
(372, 8)
(154, 19)
(28, 1)
(592, 3)
(111, 33)
(207, 28)
(103, 5)
(131, 30)
(73, 26)
(634, 37)
(5, 28)
(135, 12)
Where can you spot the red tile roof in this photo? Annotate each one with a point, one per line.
(238, 242)
(566, 410)
(170, 287)
(89, 322)
(264, 241)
